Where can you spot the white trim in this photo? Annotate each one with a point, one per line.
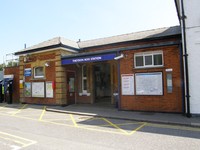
(43, 51)
(152, 53)
(84, 78)
(37, 77)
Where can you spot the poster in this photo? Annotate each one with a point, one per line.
(71, 85)
(149, 83)
(27, 89)
(21, 86)
(127, 84)
(37, 89)
(49, 89)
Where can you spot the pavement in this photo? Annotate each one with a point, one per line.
(114, 113)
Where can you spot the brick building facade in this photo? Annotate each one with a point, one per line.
(138, 71)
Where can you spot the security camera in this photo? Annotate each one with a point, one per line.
(47, 64)
(119, 57)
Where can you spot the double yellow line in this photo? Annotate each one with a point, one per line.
(124, 131)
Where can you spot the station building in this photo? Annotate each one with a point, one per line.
(139, 71)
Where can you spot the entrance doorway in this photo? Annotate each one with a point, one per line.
(70, 88)
(102, 83)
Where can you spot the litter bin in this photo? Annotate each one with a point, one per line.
(116, 99)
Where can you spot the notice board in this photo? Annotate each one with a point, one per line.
(27, 89)
(37, 89)
(149, 83)
(127, 84)
(49, 89)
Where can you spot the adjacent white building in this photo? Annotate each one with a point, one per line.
(189, 16)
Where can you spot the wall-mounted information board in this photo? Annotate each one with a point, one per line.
(127, 84)
(149, 83)
(37, 89)
(49, 89)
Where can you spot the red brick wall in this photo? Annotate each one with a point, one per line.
(49, 76)
(15, 72)
(168, 102)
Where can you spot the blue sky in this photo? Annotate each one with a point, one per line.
(35, 21)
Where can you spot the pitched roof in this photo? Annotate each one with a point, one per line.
(155, 33)
(74, 46)
(55, 42)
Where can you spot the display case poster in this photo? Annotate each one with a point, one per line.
(71, 85)
(149, 83)
(27, 89)
(37, 89)
(127, 84)
(49, 89)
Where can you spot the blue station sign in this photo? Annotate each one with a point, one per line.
(27, 72)
(93, 58)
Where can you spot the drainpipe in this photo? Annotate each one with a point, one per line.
(119, 82)
(182, 77)
(182, 18)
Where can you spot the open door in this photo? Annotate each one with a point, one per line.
(70, 88)
(102, 83)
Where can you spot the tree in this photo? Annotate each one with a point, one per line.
(2, 66)
(12, 64)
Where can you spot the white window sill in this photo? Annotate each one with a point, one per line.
(84, 94)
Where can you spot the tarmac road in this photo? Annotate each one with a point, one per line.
(31, 127)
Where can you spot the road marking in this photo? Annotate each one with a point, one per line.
(20, 109)
(44, 109)
(10, 139)
(3, 106)
(81, 127)
(16, 139)
(73, 120)
(117, 126)
(121, 124)
(114, 125)
(138, 128)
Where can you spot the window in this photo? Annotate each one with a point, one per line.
(84, 79)
(150, 59)
(39, 72)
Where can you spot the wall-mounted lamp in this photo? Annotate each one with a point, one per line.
(47, 64)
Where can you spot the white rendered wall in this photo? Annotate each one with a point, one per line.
(192, 13)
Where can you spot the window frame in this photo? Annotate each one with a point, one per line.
(84, 78)
(34, 74)
(152, 57)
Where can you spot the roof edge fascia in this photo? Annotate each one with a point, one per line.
(47, 48)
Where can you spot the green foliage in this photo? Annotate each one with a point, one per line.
(12, 64)
(2, 66)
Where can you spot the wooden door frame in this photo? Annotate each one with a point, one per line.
(75, 84)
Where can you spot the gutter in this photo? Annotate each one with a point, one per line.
(121, 49)
(182, 18)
